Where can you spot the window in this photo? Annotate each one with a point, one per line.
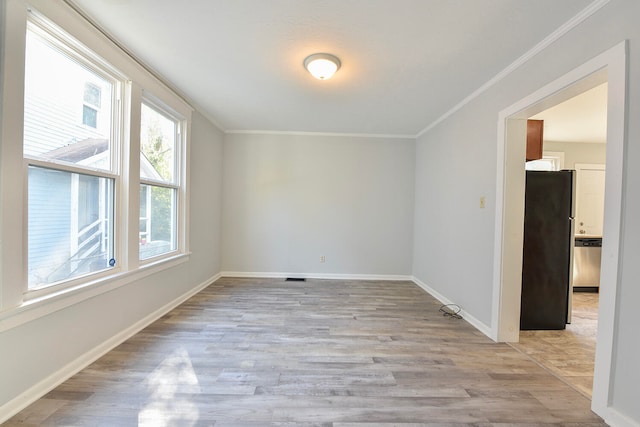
(159, 184)
(72, 171)
(83, 222)
(550, 161)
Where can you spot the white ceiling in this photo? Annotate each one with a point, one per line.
(404, 62)
(582, 118)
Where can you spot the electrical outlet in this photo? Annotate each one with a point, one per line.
(323, 258)
(482, 202)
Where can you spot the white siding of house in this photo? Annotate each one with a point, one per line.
(54, 97)
(49, 222)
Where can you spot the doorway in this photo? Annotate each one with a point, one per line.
(575, 133)
(609, 67)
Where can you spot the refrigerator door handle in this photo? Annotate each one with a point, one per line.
(572, 245)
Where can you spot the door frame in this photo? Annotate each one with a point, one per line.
(610, 66)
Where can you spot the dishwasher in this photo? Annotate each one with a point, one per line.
(586, 263)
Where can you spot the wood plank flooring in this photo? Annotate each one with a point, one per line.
(265, 352)
(568, 353)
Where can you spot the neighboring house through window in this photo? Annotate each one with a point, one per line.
(92, 96)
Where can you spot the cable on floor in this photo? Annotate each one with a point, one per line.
(451, 310)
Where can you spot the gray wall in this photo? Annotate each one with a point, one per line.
(456, 162)
(288, 199)
(33, 351)
(205, 215)
(453, 236)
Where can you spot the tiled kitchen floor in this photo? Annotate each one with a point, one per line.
(570, 353)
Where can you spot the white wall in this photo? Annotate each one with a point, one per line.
(453, 241)
(289, 199)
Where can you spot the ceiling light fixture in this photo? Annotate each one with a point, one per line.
(322, 66)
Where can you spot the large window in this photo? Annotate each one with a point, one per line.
(70, 138)
(159, 182)
(94, 160)
(89, 217)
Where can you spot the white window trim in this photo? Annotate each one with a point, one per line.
(175, 111)
(556, 155)
(46, 304)
(15, 309)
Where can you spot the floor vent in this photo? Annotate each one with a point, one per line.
(295, 279)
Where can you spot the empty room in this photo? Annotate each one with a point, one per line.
(319, 213)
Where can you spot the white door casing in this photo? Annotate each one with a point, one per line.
(610, 66)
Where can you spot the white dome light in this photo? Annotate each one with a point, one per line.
(322, 66)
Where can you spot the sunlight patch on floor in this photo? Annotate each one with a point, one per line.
(169, 385)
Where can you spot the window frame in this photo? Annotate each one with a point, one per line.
(553, 158)
(127, 97)
(17, 306)
(179, 175)
(65, 45)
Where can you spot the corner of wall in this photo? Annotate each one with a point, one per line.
(480, 326)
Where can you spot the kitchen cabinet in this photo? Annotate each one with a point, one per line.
(534, 139)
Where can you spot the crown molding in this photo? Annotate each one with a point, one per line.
(547, 41)
(334, 134)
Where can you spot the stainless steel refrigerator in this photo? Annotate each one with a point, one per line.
(548, 250)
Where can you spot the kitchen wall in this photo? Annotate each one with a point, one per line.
(579, 152)
(454, 238)
(290, 199)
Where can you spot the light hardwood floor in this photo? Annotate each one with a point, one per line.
(260, 352)
(568, 353)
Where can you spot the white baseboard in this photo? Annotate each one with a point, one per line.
(615, 419)
(35, 392)
(466, 316)
(281, 275)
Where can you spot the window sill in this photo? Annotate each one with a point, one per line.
(50, 303)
